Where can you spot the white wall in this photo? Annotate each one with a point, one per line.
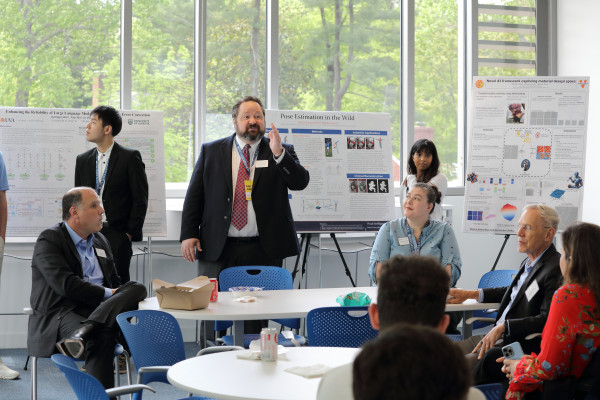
(579, 55)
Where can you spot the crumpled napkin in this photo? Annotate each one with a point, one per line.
(245, 299)
(309, 371)
(354, 299)
(254, 352)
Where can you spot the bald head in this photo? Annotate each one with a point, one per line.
(82, 210)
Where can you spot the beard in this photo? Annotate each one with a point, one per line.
(254, 136)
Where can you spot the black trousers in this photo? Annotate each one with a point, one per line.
(238, 252)
(486, 370)
(120, 245)
(99, 347)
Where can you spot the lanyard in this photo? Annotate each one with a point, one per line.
(254, 156)
(411, 238)
(99, 184)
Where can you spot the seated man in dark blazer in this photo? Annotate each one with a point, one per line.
(76, 293)
(524, 305)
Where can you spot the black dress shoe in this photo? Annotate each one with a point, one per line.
(74, 345)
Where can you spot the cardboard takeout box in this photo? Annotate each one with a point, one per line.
(190, 295)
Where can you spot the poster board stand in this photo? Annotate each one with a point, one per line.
(506, 237)
(306, 252)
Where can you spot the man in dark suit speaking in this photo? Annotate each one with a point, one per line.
(524, 305)
(119, 177)
(76, 294)
(236, 210)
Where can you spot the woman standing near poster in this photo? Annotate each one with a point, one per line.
(423, 166)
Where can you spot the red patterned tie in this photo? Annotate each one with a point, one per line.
(240, 204)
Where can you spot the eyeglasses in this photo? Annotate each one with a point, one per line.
(528, 228)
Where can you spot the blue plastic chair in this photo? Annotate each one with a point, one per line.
(156, 343)
(491, 279)
(339, 327)
(85, 386)
(491, 391)
(118, 351)
(267, 277)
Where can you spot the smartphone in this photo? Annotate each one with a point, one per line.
(513, 351)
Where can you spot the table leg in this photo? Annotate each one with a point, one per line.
(238, 333)
(467, 328)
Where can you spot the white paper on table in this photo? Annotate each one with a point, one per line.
(309, 371)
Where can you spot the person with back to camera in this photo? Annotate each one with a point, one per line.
(417, 233)
(571, 335)
(412, 289)
(410, 362)
(423, 166)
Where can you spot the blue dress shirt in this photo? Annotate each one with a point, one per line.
(89, 263)
(436, 240)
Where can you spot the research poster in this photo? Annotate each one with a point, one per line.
(40, 146)
(349, 158)
(527, 142)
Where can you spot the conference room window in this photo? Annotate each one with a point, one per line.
(436, 75)
(506, 42)
(341, 55)
(163, 75)
(58, 54)
(235, 60)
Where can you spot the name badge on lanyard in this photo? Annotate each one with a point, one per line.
(248, 187)
(100, 183)
(247, 182)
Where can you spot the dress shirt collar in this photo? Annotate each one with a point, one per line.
(76, 238)
(106, 153)
(536, 260)
(241, 143)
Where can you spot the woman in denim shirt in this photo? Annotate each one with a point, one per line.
(417, 233)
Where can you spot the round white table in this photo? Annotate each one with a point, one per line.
(224, 376)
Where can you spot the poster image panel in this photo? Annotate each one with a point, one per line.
(40, 146)
(349, 158)
(527, 143)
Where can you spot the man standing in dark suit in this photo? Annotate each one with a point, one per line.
(236, 210)
(76, 294)
(524, 305)
(118, 175)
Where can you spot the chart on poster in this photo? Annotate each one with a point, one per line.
(349, 158)
(40, 146)
(527, 142)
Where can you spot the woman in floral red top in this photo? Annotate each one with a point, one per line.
(572, 332)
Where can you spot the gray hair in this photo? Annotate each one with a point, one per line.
(547, 214)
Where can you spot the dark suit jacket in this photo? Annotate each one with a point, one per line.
(526, 317)
(57, 286)
(208, 203)
(125, 196)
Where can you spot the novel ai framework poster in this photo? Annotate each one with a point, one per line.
(40, 146)
(527, 140)
(349, 158)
